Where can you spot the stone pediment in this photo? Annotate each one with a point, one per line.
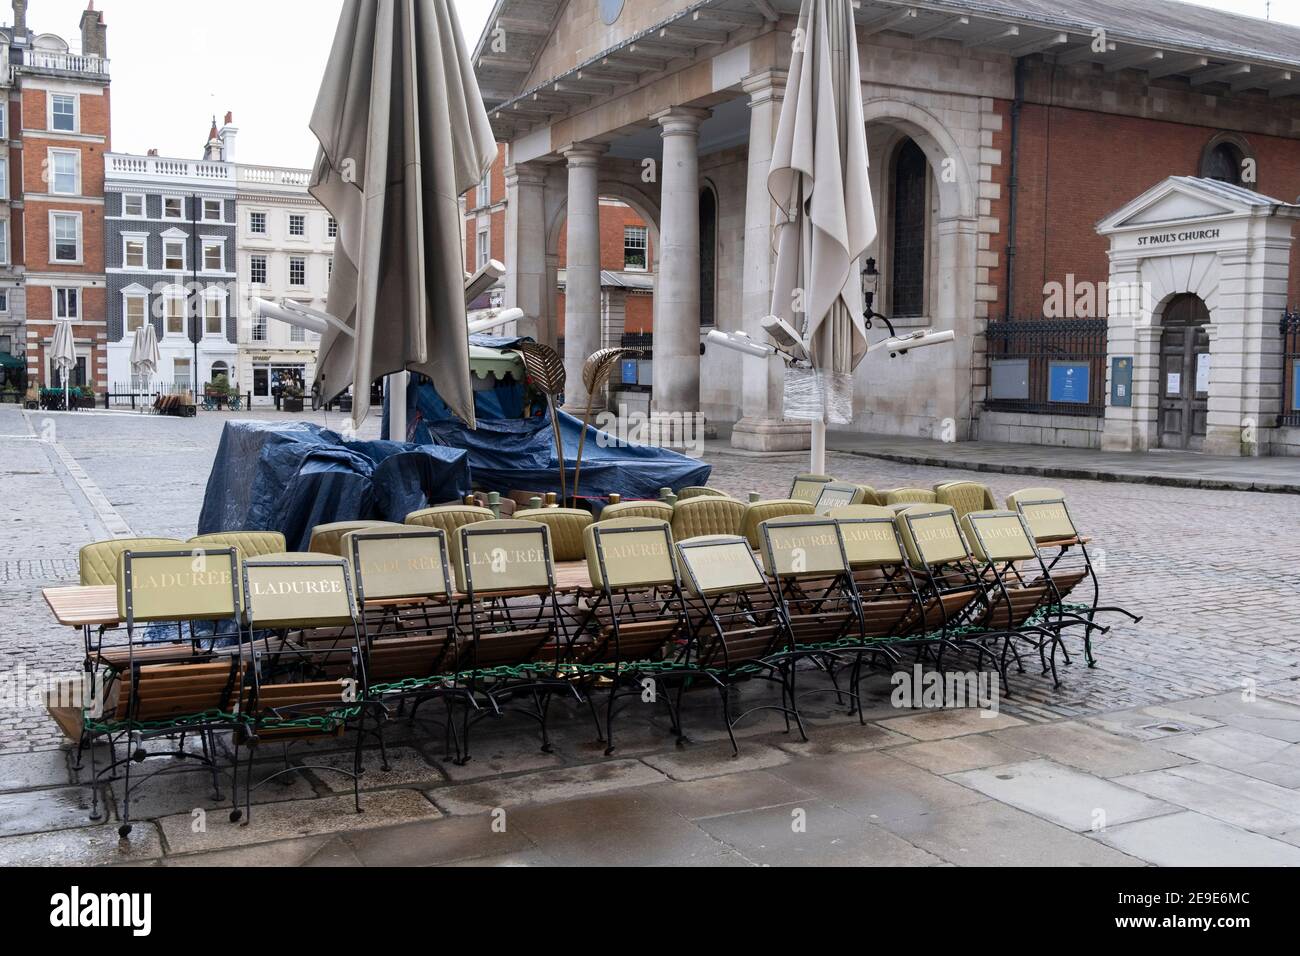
(1183, 199)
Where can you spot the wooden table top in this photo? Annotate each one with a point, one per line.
(96, 605)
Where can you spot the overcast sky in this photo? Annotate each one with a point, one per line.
(178, 62)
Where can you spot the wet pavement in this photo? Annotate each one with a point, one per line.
(1182, 746)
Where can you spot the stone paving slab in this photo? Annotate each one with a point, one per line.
(813, 833)
(296, 818)
(714, 760)
(45, 768)
(940, 724)
(994, 834)
(1255, 755)
(35, 811)
(955, 754)
(85, 846)
(1090, 749)
(1192, 839)
(1231, 797)
(1062, 795)
(544, 786)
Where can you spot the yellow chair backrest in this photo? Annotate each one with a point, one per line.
(909, 496)
(715, 564)
(327, 538)
(998, 536)
(178, 584)
(249, 544)
(298, 590)
(504, 555)
(696, 491)
(409, 561)
(838, 494)
(659, 510)
(99, 561)
(1045, 511)
(630, 553)
(870, 536)
(808, 487)
(802, 546)
(761, 511)
(449, 517)
(965, 497)
(931, 535)
(706, 515)
(567, 526)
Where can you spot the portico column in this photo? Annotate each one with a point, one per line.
(762, 426)
(676, 386)
(526, 251)
(582, 268)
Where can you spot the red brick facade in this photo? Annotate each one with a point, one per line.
(44, 274)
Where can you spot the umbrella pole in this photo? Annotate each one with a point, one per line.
(559, 445)
(397, 406)
(818, 448)
(582, 440)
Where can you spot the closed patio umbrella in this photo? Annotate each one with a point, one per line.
(403, 133)
(145, 357)
(63, 354)
(819, 179)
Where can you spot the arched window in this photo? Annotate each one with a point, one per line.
(708, 255)
(907, 285)
(1229, 159)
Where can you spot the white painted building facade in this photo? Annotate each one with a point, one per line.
(285, 251)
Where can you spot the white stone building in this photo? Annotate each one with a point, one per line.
(285, 251)
(1000, 134)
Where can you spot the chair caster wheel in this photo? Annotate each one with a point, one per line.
(609, 751)
(547, 749)
(139, 755)
(236, 815)
(124, 830)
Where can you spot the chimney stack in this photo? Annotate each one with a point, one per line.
(229, 134)
(94, 33)
(20, 18)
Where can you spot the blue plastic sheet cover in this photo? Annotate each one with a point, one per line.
(291, 476)
(507, 455)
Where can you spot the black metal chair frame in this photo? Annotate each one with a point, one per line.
(700, 656)
(182, 726)
(540, 689)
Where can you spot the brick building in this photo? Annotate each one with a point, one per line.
(1025, 165)
(59, 130)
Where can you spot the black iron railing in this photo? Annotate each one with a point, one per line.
(1047, 367)
(1290, 329)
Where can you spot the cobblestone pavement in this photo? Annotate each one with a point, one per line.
(1186, 737)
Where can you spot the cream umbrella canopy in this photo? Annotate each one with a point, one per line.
(63, 354)
(819, 179)
(145, 356)
(403, 134)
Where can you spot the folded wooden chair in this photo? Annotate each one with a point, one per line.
(295, 694)
(1067, 560)
(512, 641)
(964, 497)
(705, 516)
(658, 510)
(449, 517)
(740, 634)
(805, 558)
(407, 613)
(1020, 595)
(148, 700)
(697, 491)
(628, 635)
(909, 496)
(838, 494)
(950, 582)
(808, 487)
(759, 511)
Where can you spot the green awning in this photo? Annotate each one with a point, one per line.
(8, 361)
(484, 361)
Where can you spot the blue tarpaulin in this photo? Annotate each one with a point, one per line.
(291, 476)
